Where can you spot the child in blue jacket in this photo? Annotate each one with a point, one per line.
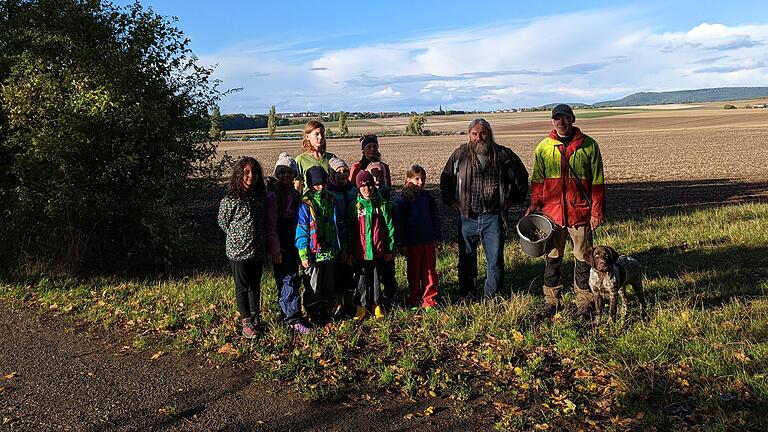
(317, 239)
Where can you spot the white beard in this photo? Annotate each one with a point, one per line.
(481, 148)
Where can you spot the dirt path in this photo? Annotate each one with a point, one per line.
(57, 375)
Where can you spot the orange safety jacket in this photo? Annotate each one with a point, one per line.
(553, 186)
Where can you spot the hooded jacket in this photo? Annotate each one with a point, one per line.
(512, 175)
(553, 186)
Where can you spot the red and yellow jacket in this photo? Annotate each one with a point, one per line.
(553, 186)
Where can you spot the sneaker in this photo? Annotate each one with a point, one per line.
(249, 331)
(378, 312)
(338, 312)
(549, 311)
(360, 314)
(300, 328)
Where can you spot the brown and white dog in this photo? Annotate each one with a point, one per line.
(609, 275)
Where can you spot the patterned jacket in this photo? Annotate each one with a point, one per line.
(370, 228)
(553, 186)
(243, 220)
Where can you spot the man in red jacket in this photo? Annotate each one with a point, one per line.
(567, 185)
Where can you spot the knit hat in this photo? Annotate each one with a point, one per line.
(316, 175)
(337, 162)
(374, 166)
(285, 161)
(367, 139)
(364, 178)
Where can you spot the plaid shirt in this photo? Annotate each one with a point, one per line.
(484, 188)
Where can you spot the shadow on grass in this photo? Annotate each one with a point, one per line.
(639, 200)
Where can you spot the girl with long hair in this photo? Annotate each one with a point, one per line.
(242, 217)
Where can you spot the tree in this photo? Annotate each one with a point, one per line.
(416, 125)
(215, 132)
(103, 136)
(343, 129)
(272, 121)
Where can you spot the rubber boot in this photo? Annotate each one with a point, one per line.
(583, 294)
(553, 272)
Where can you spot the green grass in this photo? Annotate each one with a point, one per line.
(701, 359)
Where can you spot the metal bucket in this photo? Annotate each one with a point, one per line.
(530, 223)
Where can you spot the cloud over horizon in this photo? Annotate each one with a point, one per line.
(519, 64)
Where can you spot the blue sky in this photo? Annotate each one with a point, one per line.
(410, 55)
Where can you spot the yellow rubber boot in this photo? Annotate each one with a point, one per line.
(378, 312)
(360, 314)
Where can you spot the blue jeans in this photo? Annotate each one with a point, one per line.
(288, 284)
(287, 276)
(489, 229)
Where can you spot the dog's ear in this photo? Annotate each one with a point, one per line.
(589, 256)
(613, 255)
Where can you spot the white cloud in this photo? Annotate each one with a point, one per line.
(521, 64)
(387, 92)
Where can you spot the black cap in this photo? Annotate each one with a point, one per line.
(563, 109)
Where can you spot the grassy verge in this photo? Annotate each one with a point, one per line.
(700, 359)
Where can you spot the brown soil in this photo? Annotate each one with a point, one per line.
(57, 375)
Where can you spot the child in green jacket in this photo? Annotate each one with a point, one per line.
(370, 242)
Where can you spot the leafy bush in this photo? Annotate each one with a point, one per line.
(729, 106)
(416, 125)
(103, 135)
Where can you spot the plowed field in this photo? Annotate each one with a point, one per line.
(653, 160)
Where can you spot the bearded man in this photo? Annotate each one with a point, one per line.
(481, 181)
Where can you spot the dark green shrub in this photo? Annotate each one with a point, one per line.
(103, 135)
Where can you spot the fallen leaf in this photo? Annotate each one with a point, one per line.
(741, 356)
(429, 411)
(432, 393)
(157, 355)
(228, 349)
(408, 417)
(569, 405)
(580, 373)
(11, 375)
(541, 426)
(501, 406)
(517, 336)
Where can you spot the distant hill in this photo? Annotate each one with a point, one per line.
(687, 96)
